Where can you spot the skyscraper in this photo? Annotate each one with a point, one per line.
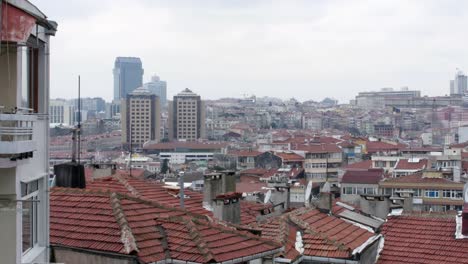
(186, 116)
(459, 84)
(159, 88)
(140, 117)
(128, 75)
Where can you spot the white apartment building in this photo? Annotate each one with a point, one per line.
(24, 132)
(186, 117)
(61, 113)
(141, 118)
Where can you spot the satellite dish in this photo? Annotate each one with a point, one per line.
(308, 191)
(267, 196)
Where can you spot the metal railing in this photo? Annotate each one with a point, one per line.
(16, 127)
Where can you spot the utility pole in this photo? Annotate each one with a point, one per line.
(181, 186)
(79, 119)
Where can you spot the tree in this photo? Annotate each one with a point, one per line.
(165, 166)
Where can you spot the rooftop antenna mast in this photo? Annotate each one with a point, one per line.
(79, 119)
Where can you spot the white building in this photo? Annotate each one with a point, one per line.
(183, 157)
(61, 112)
(24, 133)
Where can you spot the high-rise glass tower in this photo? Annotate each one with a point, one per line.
(128, 75)
(159, 88)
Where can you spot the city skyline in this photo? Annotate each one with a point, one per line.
(307, 50)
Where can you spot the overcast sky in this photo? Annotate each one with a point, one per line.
(301, 49)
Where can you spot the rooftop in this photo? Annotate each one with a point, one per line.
(371, 176)
(122, 224)
(323, 235)
(422, 239)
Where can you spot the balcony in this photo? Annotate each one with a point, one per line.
(16, 136)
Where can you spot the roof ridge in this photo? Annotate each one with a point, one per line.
(308, 229)
(126, 236)
(164, 243)
(197, 238)
(127, 185)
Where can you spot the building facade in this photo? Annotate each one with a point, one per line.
(24, 133)
(186, 117)
(128, 75)
(61, 112)
(140, 118)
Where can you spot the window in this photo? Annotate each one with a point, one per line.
(348, 190)
(431, 193)
(380, 164)
(416, 192)
(29, 193)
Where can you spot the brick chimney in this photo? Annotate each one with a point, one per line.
(226, 207)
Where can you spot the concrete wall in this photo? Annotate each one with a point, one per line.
(369, 254)
(70, 256)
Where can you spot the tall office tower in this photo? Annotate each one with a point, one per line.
(459, 83)
(61, 112)
(113, 110)
(159, 88)
(140, 118)
(24, 132)
(452, 87)
(128, 75)
(186, 117)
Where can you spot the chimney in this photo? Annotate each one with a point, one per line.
(464, 229)
(217, 183)
(226, 207)
(376, 205)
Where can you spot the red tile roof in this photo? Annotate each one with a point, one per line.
(289, 156)
(323, 235)
(371, 176)
(422, 239)
(116, 223)
(418, 180)
(407, 164)
(250, 184)
(245, 153)
(362, 165)
(156, 192)
(380, 146)
(319, 148)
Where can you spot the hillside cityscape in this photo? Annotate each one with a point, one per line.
(152, 178)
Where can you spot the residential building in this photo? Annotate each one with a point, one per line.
(128, 75)
(141, 118)
(159, 88)
(312, 121)
(61, 112)
(322, 161)
(355, 182)
(249, 159)
(186, 117)
(405, 167)
(430, 191)
(24, 132)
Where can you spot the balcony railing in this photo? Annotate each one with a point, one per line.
(16, 135)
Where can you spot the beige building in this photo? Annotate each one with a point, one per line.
(186, 117)
(141, 118)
